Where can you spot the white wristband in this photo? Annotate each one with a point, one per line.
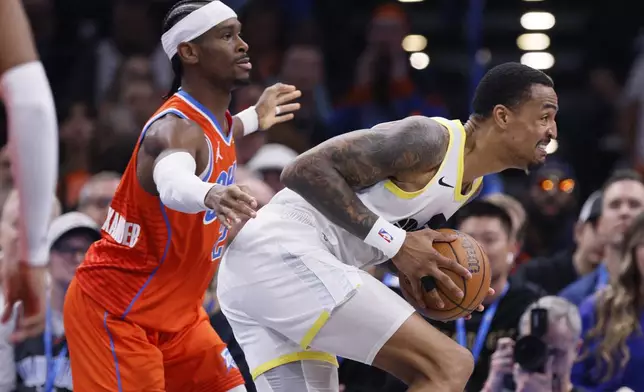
(386, 237)
(249, 119)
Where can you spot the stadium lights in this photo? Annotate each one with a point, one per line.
(552, 147)
(533, 41)
(419, 60)
(414, 43)
(537, 20)
(410, 1)
(483, 56)
(538, 60)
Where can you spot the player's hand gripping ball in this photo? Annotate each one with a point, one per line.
(470, 255)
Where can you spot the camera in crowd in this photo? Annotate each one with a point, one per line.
(530, 351)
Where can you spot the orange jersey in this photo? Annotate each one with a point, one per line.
(153, 264)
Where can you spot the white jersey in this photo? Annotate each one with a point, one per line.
(429, 207)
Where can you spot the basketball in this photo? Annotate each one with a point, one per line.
(469, 254)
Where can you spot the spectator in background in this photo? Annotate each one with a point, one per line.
(551, 210)
(518, 215)
(247, 146)
(42, 362)
(263, 30)
(133, 32)
(9, 230)
(491, 226)
(562, 339)
(554, 273)
(612, 354)
(269, 162)
(96, 195)
(133, 94)
(303, 66)
(622, 200)
(383, 90)
(76, 132)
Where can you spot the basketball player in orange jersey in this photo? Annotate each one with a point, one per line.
(133, 314)
(33, 132)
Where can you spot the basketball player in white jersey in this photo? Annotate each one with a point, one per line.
(33, 145)
(291, 283)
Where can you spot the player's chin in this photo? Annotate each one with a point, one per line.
(242, 78)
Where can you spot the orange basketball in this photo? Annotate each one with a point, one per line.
(469, 254)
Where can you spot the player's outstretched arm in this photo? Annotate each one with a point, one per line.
(33, 146)
(167, 167)
(328, 175)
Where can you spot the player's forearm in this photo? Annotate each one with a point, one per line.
(325, 188)
(33, 145)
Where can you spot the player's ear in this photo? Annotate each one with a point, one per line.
(187, 52)
(501, 115)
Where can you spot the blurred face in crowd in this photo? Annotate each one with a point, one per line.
(67, 253)
(10, 225)
(96, 197)
(622, 201)
(303, 67)
(141, 98)
(132, 27)
(588, 242)
(78, 127)
(495, 240)
(387, 31)
(552, 193)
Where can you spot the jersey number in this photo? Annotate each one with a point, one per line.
(226, 177)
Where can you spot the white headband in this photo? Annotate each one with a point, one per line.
(195, 24)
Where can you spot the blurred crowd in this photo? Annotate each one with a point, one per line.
(567, 238)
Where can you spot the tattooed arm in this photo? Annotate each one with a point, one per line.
(328, 175)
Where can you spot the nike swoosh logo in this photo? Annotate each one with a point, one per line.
(441, 182)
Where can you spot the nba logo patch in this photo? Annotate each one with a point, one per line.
(385, 236)
(228, 359)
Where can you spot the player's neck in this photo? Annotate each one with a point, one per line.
(216, 99)
(497, 284)
(479, 158)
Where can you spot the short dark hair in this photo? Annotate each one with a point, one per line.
(179, 11)
(508, 84)
(484, 209)
(622, 175)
